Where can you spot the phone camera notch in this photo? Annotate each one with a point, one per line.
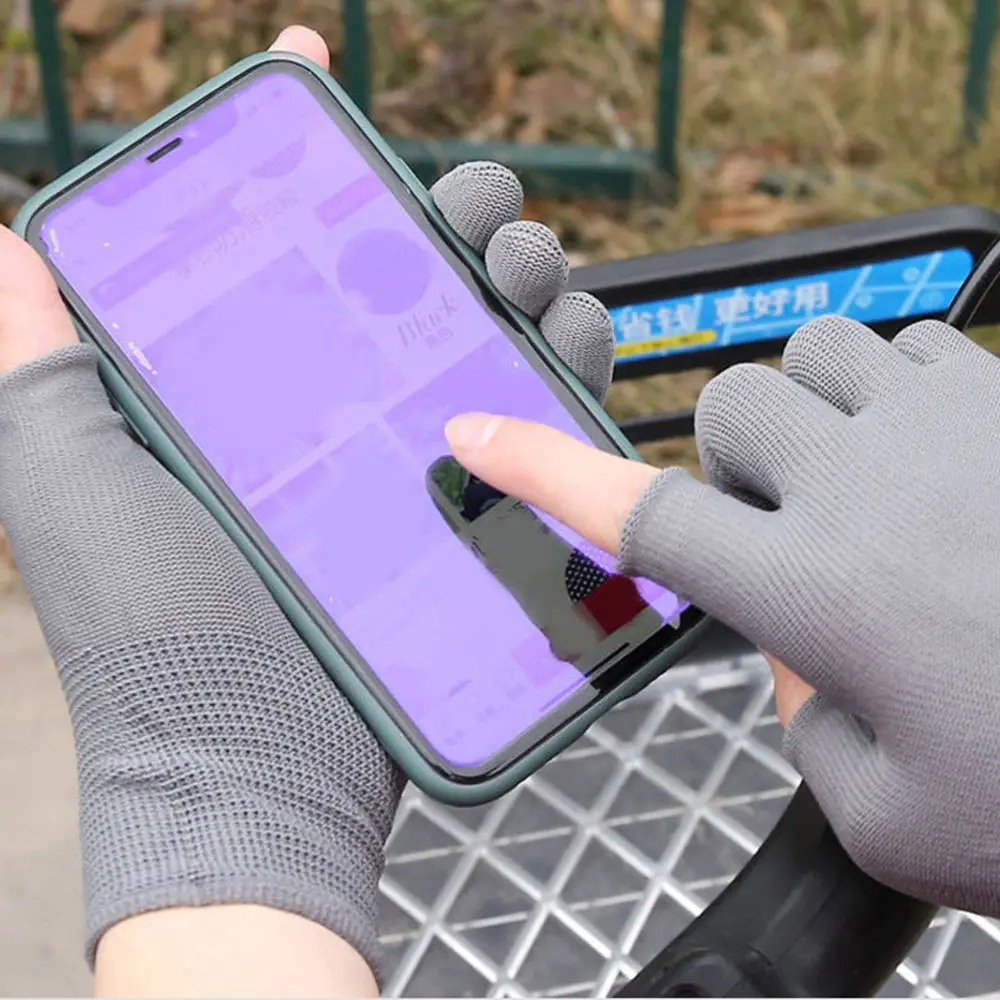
(164, 150)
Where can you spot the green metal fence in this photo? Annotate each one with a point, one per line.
(56, 142)
(550, 168)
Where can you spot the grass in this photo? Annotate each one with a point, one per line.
(866, 93)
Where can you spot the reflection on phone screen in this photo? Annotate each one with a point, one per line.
(312, 340)
(573, 602)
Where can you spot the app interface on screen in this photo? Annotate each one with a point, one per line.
(313, 343)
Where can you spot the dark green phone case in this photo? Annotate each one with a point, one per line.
(417, 768)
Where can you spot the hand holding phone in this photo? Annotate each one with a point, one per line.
(172, 648)
(286, 319)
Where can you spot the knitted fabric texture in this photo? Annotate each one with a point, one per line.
(540, 267)
(477, 198)
(868, 560)
(527, 264)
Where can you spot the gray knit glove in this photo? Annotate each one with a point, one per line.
(217, 760)
(868, 560)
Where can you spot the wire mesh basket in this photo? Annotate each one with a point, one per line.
(567, 886)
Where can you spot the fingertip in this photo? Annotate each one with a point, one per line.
(470, 432)
(580, 330)
(477, 198)
(526, 262)
(304, 42)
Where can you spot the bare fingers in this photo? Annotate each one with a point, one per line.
(304, 42)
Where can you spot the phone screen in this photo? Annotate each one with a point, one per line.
(282, 297)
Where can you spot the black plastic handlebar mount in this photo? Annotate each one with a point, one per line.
(782, 258)
(801, 919)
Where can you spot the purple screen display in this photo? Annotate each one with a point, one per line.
(313, 342)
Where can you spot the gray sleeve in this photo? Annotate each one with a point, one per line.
(217, 761)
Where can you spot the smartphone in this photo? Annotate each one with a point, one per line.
(288, 323)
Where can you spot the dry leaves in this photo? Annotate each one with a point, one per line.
(824, 65)
(733, 203)
(92, 17)
(637, 19)
(502, 88)
(549, 97)
(128, 78)
(741, 170)
(774, 23)
(756, 214)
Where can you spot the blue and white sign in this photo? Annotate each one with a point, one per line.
(908, 287)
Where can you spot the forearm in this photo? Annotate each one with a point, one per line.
(228, 951)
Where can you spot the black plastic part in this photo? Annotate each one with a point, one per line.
(973, 298)
(800, 920)
(779, 258)
(658, 426)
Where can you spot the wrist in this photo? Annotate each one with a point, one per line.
(233, 950)
(160, 834)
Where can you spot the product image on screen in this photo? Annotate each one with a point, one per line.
(312, 340)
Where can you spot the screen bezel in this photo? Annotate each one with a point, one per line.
(612, 674)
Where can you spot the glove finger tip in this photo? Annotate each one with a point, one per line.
(526, 262)
(580, 331)
(478, 198)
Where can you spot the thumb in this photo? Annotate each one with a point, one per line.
(790, 691)
(705, 546)
(33, 320)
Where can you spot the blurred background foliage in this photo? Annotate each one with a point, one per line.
(862, 98)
